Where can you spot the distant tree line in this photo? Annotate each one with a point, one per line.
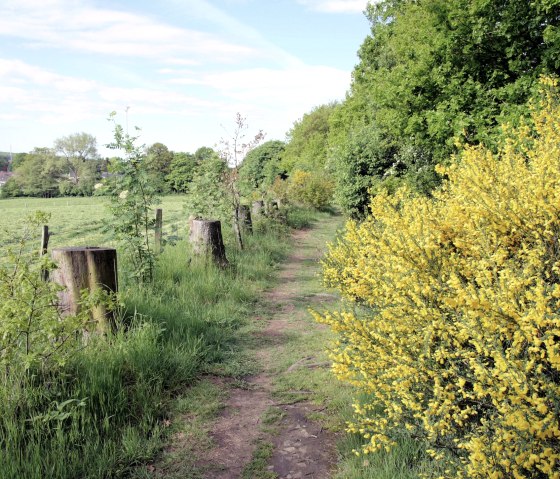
(73, 167)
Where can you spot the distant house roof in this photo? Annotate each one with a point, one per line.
(5, 176)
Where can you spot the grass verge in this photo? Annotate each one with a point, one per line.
(107, 410)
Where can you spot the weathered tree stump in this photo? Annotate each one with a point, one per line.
(190, 220)
(258, 208)
(245, 219)
(86, 268)
(206, 239)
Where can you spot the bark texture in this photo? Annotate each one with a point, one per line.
(245, 220)
(206, 239)
(258, 208)
(86, 268)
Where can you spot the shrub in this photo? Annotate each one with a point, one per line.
(33, 333)
(459, 344)
(310, 189)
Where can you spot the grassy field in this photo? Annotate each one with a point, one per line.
(77, 221)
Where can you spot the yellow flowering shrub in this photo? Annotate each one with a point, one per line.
(459, 342)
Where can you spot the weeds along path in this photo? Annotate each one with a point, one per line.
(271, 424)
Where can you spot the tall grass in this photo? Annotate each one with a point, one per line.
(104, 411)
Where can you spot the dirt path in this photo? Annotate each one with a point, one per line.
(297, 446)
(273, 424)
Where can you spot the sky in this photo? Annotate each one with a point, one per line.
(180, 70)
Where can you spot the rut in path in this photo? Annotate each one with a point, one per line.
(302, 449)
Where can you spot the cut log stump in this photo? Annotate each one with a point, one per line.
(258, 208)
(245, 219)
(86, 268)
(207, 242)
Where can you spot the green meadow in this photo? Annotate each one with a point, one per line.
(80, 221)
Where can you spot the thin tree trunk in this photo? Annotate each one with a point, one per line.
(237, 227)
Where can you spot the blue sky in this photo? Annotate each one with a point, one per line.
(183, 68)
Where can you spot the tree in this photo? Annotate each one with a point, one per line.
(435, 71)
(4, 161)
(38, 173)
(158, 164)
(261, 166)
(79, 151)
(204, 153)
(233, 150)
(206, 194)
(18, 159)
(306, 147)
(132, 200)
(181, 172)
(10, 189)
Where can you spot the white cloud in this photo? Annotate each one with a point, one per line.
(64, 24)
(335, 6)
(55, 98)
(272, 99)
(181, 84)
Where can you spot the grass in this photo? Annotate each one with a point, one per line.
(258, 467)
(107, 411)
(80, 221)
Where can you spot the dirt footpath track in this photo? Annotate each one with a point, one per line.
(301, 448)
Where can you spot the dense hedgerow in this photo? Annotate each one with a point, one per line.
(460, 342)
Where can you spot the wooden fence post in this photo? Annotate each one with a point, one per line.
(258, 208)
(245, 219)
(89, 268)
(206, 239)
(44, 240)
(158, 230)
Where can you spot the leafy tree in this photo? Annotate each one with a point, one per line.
(306, 147)
(10, 189)
(206, 195)
(78, 149)
(132, 200)
(261, 166)
(39, 172)
(435, 71)
(359, 160)
(181, 172)
(18, 159)
(311, 189)
(158, 164)
(204, 153)
(4, 161)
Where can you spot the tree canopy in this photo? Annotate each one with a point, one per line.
(261, 166)
(436, 72)
(306, 147)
